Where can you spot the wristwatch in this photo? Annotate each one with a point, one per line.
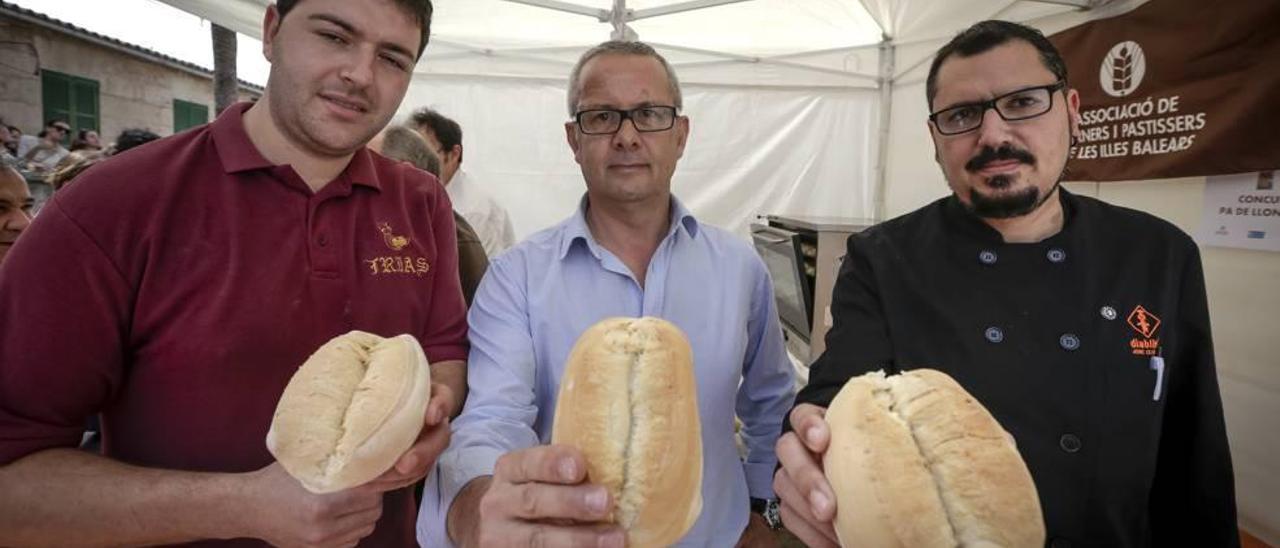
(768, 508)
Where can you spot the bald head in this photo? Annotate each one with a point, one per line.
(15, 208)
(401, 143)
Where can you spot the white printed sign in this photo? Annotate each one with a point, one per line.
(1242, 211)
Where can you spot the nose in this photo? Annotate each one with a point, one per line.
(995, 131)
(16, 222)
(627, 136)
(358, 68)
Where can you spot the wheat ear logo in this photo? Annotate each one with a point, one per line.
(1122, 69)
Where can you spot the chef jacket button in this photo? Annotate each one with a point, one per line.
(1069, 443)
(1059, 543)
(994, 334)
(987, 257)
(1108, 312)
(1056, 255)
(1069, 341)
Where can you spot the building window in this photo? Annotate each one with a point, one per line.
(70, 98)
(188, 115)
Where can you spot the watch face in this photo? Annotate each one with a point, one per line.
(772, 516)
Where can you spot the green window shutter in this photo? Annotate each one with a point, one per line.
(70, 98)
(188, 115)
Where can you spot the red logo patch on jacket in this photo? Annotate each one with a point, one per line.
(1146, 324)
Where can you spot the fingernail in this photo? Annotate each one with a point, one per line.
(596, 500)
(612, 539)
(407, 464)
(568, 469)
(819, 502)
(812, 434)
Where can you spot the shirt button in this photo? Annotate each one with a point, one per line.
(1108, 312)
(322, 240)
(1069, 341)
(987, 257)
(1069, 443)
(994, 334)
(1056, 255)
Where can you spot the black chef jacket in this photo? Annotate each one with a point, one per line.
(1062, 341)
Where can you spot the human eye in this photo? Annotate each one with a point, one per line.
(1023, 101)
(960, 116)
(395, 61)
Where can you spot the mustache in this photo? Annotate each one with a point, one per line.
(1005, 152)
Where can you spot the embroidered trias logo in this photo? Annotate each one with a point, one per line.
(399, 263)
(1146, 324)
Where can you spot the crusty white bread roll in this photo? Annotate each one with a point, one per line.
(351, 410)
(628, 401)
(915, 461)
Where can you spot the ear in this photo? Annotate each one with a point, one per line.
(933, 138)
(270, 26)
(457, 152)
(571, 135)
(682, 135)
(1073, 112)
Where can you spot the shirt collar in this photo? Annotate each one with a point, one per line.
(682, 220)
(237, 153)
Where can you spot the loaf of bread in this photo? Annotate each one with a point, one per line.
(628, 401)
(915, 461)
(351, 410)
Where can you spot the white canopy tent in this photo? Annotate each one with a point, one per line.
(797, 106)
(790, 101)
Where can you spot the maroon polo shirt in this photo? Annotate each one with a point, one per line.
(175, 289)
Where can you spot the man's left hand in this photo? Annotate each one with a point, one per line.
(757, 534)
(414, 464)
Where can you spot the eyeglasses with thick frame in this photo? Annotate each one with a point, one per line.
(647, 119)
(1022, 104)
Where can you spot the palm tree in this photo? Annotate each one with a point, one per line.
(225, 87)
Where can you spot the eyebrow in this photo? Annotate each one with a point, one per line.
(601, 106)
(351, 29)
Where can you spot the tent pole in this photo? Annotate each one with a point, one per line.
(618, 17)
(887, 54)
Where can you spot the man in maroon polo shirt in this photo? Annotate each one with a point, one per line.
(175, 289)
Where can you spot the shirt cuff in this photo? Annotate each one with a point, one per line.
(759, 479)
(453, 471)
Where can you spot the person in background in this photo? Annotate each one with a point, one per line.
(72, 166)
(131, 138)
(86, 139)
(15, 208)
(402, 143)
(14, 135)
(490, 220)
(8, 145)
(43, 151)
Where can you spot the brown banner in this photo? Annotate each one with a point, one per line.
(1176, 88)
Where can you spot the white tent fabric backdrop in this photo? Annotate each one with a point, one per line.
(797, 106)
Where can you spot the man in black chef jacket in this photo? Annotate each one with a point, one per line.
(1082, 326)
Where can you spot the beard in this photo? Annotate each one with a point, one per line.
(1005, 206)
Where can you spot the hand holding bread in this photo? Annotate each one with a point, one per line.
(915, 461)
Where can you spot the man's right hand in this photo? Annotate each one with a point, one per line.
(538, 497)
(808, 504)
(282, 512)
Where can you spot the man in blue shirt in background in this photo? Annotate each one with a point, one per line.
(631, 249)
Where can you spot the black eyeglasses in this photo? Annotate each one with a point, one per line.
(63, 129)
(606, 121)
(1016, 105)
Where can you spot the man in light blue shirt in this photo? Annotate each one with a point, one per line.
(630, 250)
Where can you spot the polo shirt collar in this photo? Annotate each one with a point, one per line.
(682, 220)
(237, 153)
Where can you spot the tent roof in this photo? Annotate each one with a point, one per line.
(827, 43)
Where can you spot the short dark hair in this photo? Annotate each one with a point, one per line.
(133, 137)
(420, 9)
(447, 131)
(984, 36)
(55, 121)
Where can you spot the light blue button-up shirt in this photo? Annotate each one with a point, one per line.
(536, 299)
